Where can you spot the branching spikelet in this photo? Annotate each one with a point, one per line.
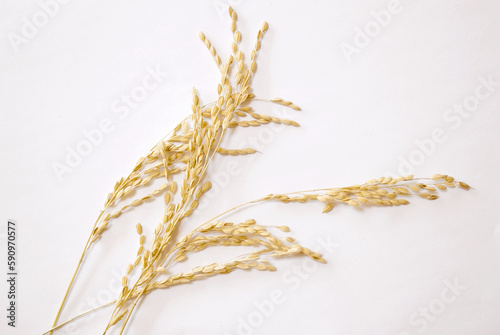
(385, 191)
(179, 163)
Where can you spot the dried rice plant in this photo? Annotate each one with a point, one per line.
(180, 162)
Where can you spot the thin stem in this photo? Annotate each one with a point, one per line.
(365, 184)
(167, 255)
(133, 306)
(78, 316)
(215, 217)
(149, 280)
(85, 249)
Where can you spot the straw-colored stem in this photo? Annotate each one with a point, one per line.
(85, 249)
(78, 316)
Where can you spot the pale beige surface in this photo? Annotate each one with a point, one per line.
(431, 267)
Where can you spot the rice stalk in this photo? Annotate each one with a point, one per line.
(180, 162)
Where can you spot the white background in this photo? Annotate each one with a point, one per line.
(362, 117)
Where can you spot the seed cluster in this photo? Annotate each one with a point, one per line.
(384, 191)
(179, 164)
(181, 161)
